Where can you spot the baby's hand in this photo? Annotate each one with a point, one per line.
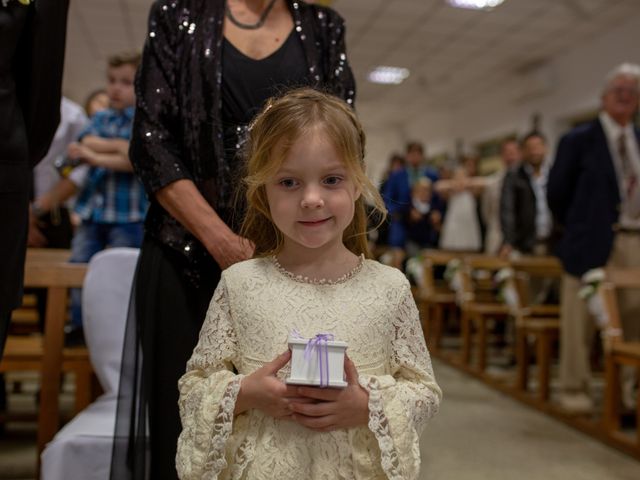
(336, 408)
(264, 391)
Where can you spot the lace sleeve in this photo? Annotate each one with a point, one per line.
(401, 404)
(208, 393)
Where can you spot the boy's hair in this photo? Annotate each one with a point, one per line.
(125, 58)
(272, 134)
(413, 146)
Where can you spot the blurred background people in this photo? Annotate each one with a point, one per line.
(490, 200)
(425, 218)
(397, 197)
(461, 228)
(111, 202)
(525, 218)
(50, 222)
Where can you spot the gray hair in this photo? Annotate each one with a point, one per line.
(623, 70)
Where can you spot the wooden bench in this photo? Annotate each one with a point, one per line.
(541, 322)
(479, 305)
(434, 298)
(46, 353)
(618, 352)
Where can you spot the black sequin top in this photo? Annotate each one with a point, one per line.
(178, 132)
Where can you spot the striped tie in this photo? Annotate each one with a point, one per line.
(629, 176)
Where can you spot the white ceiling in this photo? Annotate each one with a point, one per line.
(454, 55)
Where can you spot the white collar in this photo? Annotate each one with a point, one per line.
(613, 129)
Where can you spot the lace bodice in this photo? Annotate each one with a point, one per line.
(252, 312)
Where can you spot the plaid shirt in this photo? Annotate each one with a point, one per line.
(109, 196)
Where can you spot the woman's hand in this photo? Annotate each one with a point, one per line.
(230, 248)
(336, 408)
(264, 391)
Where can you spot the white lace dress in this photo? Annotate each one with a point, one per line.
(253, 310)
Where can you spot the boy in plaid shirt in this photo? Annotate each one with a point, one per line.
(111, 202)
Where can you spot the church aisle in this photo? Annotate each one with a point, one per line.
(481, 434)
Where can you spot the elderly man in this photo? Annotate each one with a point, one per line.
(593, 194)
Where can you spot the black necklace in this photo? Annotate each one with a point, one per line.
(250, 26)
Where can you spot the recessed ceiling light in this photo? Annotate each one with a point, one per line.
(475, 4)
(388, 75)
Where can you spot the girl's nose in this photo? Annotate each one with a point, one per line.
(312, 198)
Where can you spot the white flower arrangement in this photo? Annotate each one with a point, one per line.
(591, 281)
(507, 292)
(451, 269)
(415, 270)
(453, 276)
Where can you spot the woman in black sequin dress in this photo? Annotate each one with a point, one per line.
(208, 66)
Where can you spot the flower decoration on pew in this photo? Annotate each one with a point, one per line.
(591, 281)
(453, 275)
(507, 292)
(415, 270)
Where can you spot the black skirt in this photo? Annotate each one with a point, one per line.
(165, 316)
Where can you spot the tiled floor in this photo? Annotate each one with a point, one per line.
(479, 434)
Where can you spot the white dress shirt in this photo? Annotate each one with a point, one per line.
(543, 214)
(72, 121)
(630, 209)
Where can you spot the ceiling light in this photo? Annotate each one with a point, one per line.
(388, 75)
(475, 4)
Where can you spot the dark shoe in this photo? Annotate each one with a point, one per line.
(73, 336)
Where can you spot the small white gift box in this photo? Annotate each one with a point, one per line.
(317, 361)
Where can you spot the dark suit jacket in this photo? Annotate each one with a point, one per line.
(584, 197)
(32, 42)
(518, 210)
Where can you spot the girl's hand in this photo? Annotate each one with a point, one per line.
(336, 408)
(263, 391)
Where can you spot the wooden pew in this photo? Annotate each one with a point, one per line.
(479, 305)
(618, 352)
(539, 322)
(434, 298)
(46, 353)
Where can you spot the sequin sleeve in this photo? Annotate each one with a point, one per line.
(155, 150)
(337, 75)
(400, 404)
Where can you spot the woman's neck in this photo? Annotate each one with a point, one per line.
(321, 263)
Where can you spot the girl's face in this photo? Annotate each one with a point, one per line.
(311, 197)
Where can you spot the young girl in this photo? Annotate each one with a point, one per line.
(306, 189)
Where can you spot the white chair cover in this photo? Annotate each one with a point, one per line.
(82, 449)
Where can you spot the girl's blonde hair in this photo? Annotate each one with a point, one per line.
(271, 135)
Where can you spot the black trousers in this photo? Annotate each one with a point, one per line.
(170, 310)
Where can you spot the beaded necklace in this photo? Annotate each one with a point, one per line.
(248, 26)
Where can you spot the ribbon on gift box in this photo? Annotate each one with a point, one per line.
(321, 347)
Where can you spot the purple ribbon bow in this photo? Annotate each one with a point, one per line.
(319, 344)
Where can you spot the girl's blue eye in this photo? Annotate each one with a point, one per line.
(332, 180)
(288, 182)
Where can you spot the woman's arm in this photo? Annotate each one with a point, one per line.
(184, 202)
